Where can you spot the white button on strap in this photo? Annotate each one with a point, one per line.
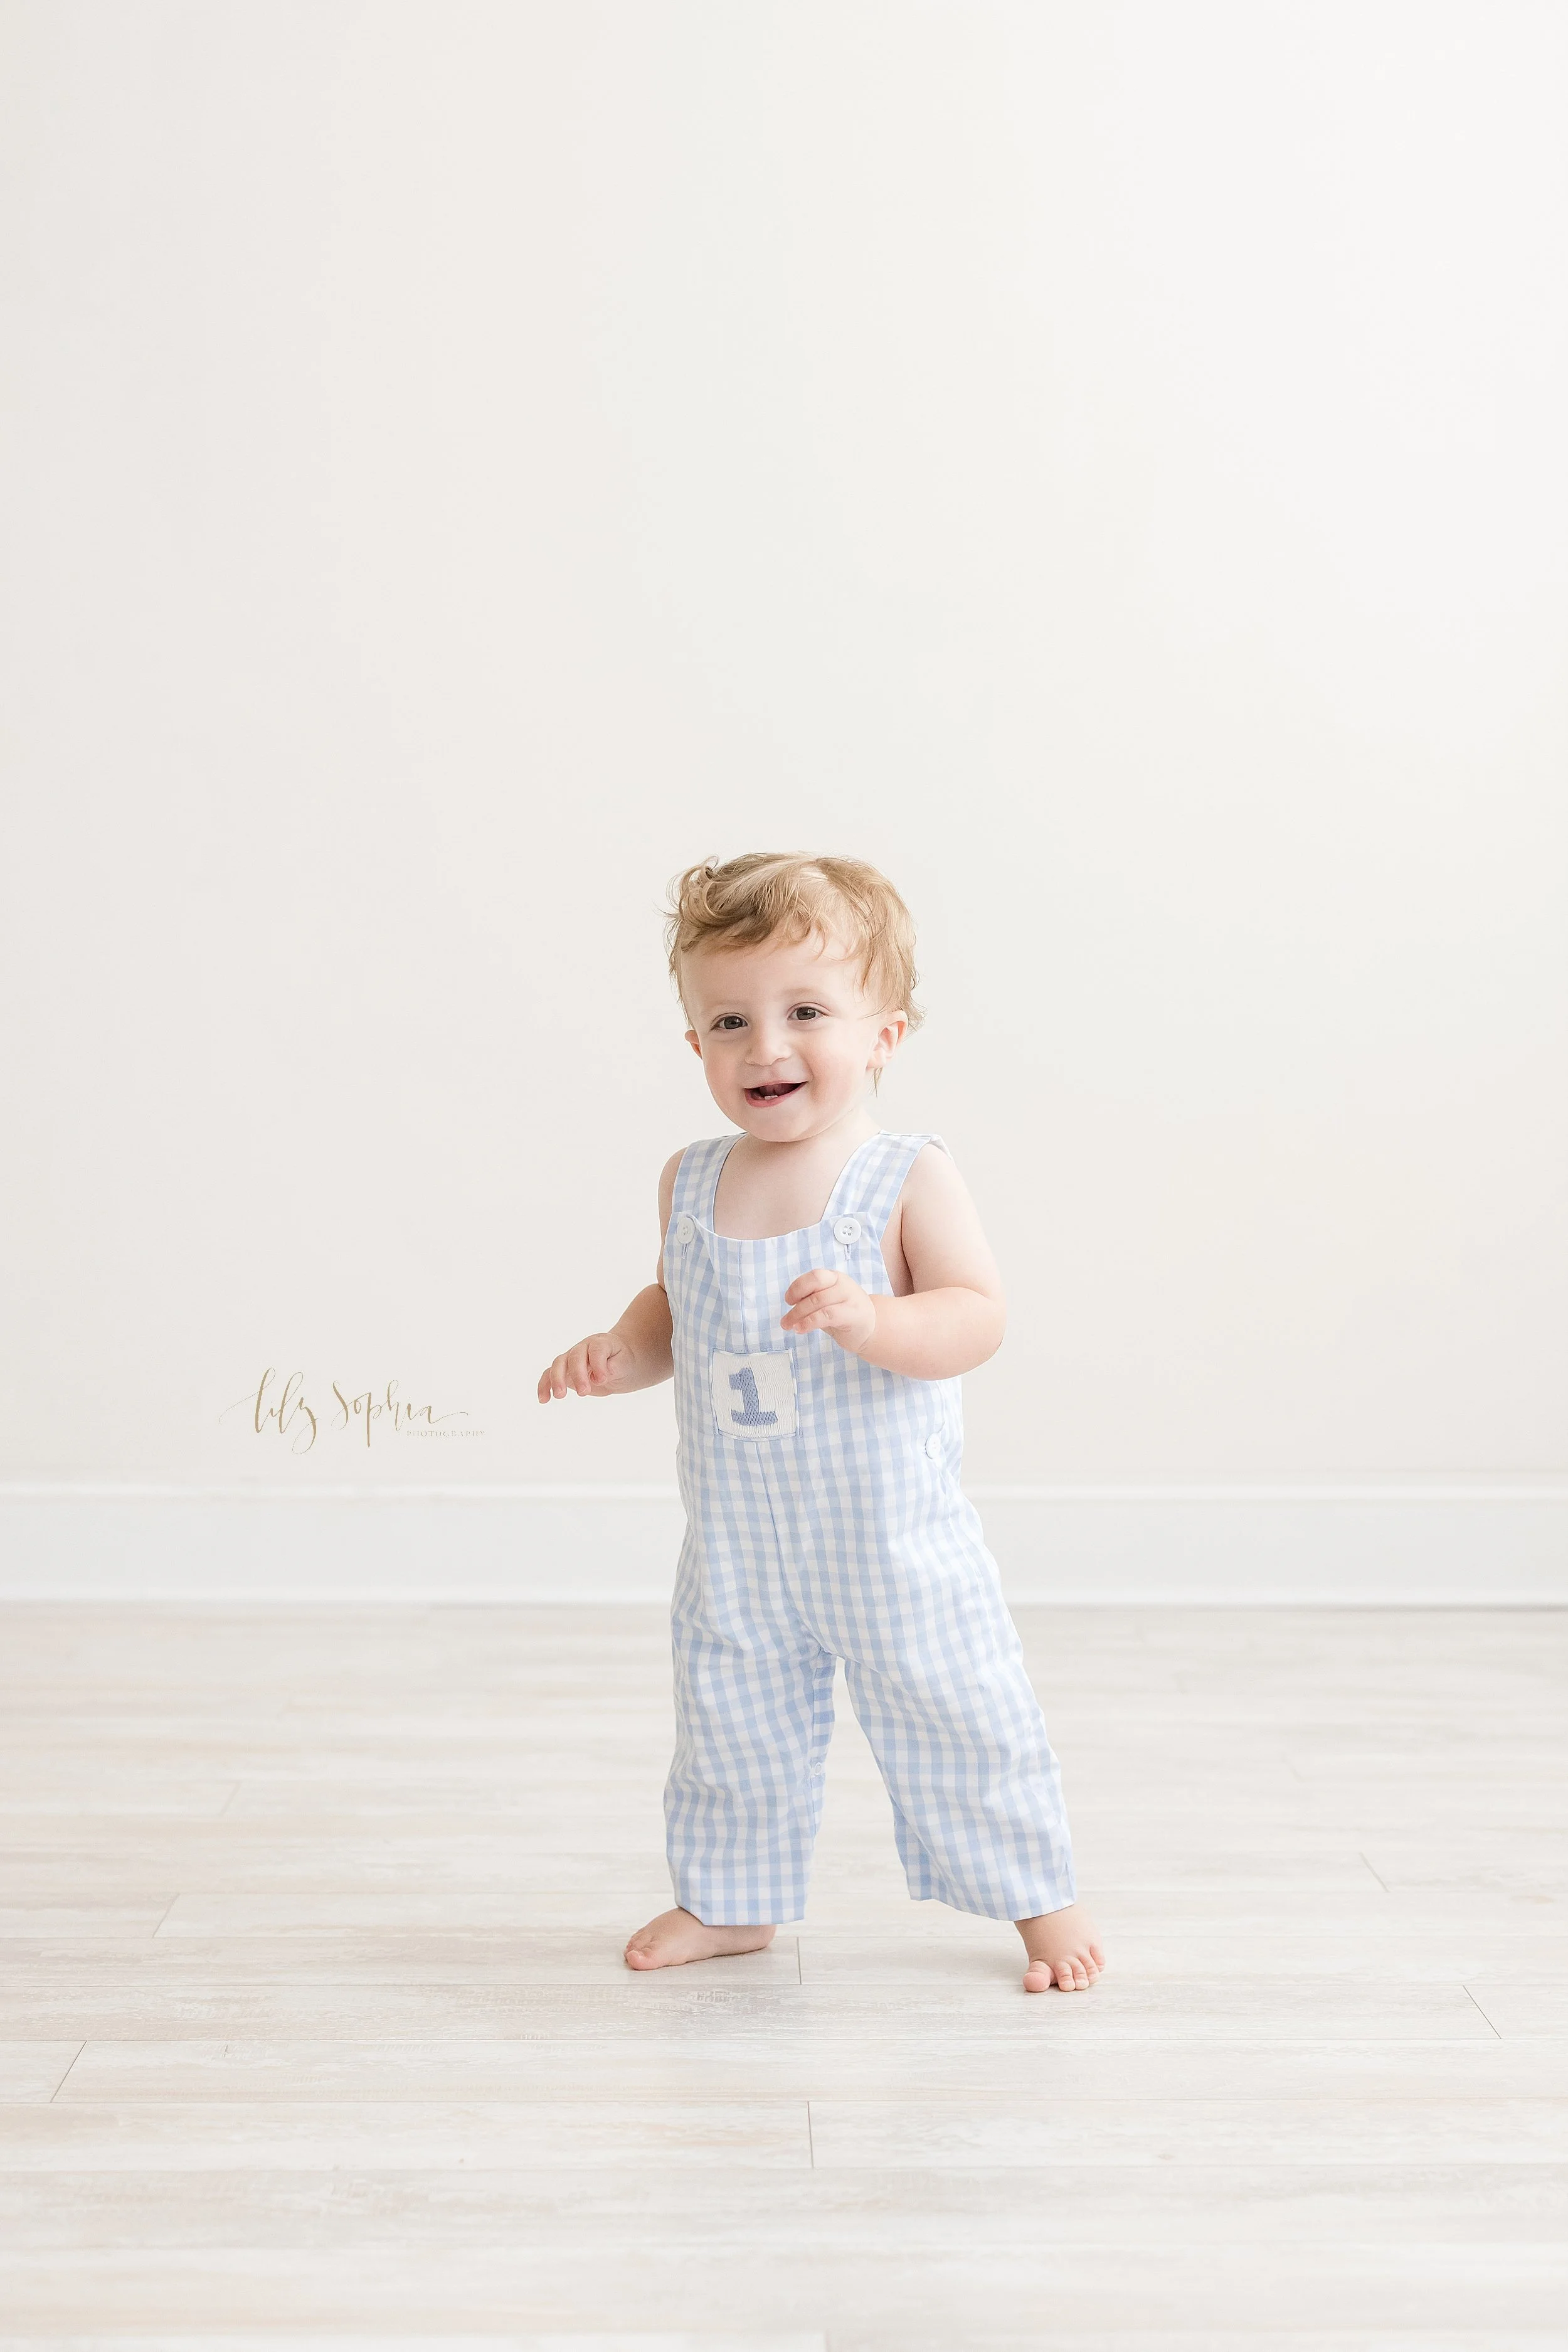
(684, 1228)
(847, 1229)
(934, 1446)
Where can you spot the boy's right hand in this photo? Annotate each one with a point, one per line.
(600, 1365)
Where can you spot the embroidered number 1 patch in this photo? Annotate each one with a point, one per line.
(753, 1396)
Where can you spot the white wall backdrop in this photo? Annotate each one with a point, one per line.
(1104, 464)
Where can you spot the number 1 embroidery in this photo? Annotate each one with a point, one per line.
(753, 1396)
(744, 1381)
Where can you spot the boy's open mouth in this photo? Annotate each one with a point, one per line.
(774, 1093)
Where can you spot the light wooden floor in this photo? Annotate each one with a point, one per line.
(315, 2032)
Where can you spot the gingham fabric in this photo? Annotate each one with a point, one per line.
(825, 1520)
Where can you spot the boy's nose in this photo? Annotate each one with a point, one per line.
(766, 1048)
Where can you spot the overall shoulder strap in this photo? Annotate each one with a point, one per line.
(875, 1178)
(696, 1178)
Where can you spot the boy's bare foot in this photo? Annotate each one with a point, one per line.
(1062, 1951)
(676, 1936)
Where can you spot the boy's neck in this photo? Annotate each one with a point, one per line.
(848, 1133)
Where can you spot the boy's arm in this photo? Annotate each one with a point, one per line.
(635, 1353)
(954, 1317)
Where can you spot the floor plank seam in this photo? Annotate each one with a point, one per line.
(64, 2078)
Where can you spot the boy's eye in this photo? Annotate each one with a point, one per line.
(730, 1021)
(808, 1012)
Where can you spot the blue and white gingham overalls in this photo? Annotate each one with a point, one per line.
(825, 1520)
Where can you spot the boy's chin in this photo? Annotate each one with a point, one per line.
(770, 1127)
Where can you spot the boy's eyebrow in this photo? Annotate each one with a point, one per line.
(720, 1004)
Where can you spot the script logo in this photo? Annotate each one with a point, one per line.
(288, 1413)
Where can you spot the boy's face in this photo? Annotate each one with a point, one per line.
(785, 1033)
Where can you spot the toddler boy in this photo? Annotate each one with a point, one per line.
(821, 1286)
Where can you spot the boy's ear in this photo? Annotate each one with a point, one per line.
(695, 1043)
(889, 1037)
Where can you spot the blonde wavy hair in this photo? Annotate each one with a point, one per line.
(771, 894)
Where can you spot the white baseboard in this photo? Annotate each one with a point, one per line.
(1423, 1543)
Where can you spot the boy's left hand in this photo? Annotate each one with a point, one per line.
(825, 1301)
